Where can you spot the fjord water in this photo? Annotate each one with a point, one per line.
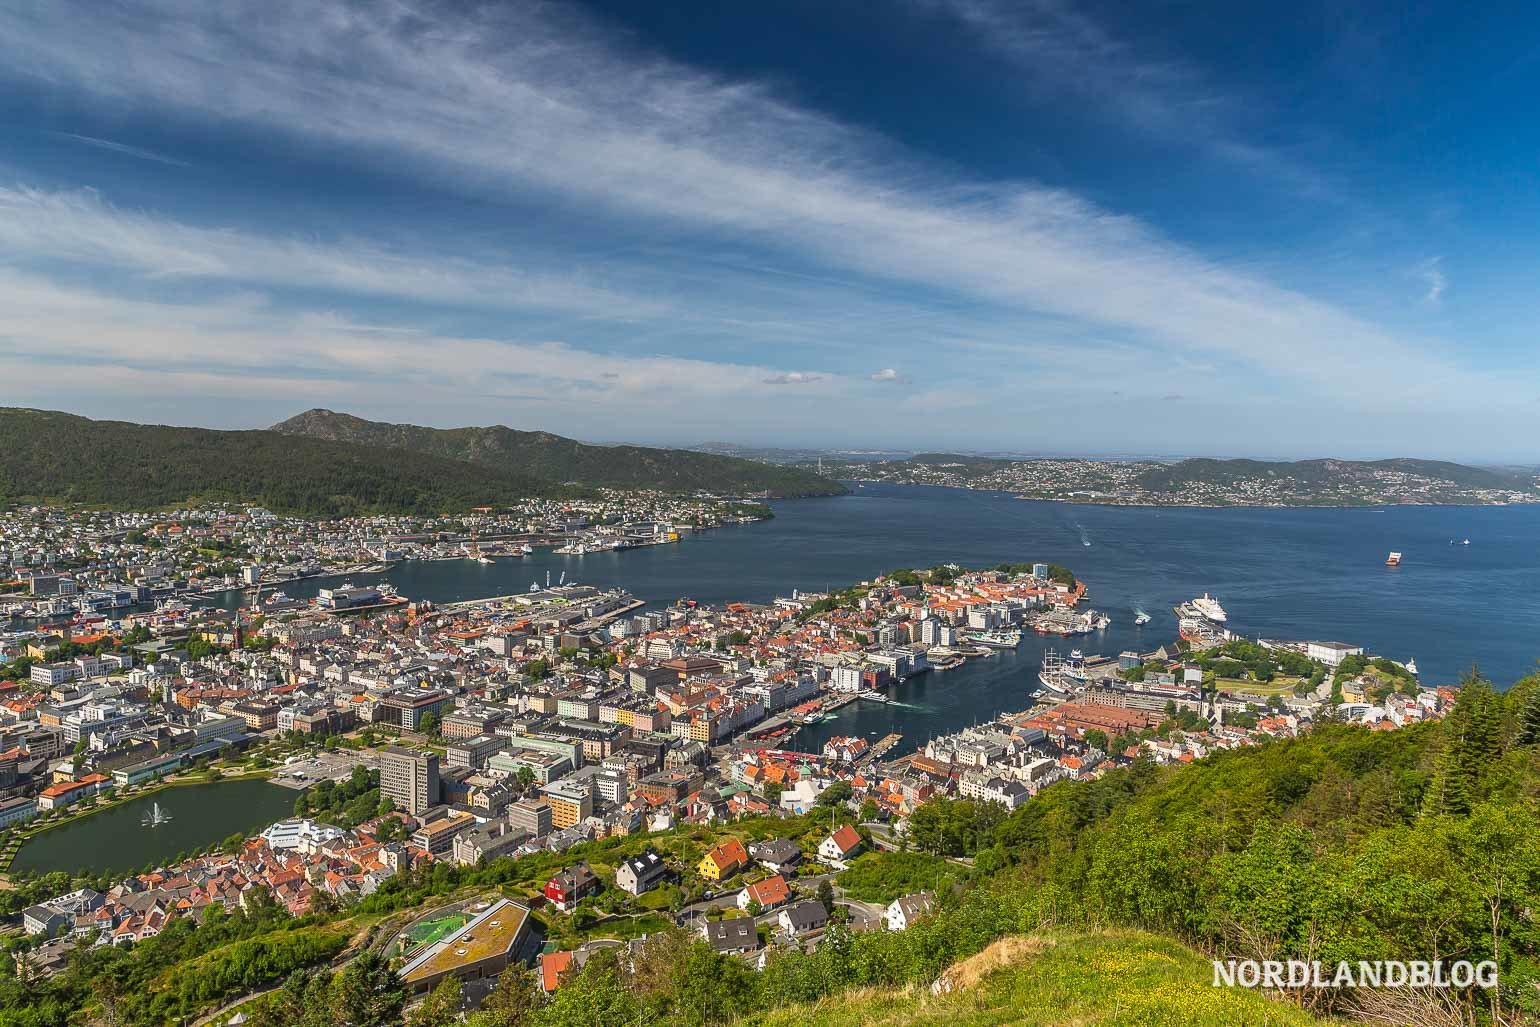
(1280, 573)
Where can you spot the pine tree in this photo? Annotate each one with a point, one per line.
(1529, 715)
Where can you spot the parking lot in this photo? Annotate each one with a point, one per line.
(325, 766)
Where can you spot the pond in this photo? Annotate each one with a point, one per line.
(123, 839)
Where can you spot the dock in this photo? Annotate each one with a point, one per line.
(882, 748)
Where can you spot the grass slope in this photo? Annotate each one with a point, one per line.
(1110, 977)
(554, 458)
(50, 456)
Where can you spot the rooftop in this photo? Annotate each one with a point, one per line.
(491, 933)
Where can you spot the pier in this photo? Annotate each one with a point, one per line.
(882, 748)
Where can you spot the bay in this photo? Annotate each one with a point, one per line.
(1281, 573)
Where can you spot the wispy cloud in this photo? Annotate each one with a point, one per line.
(498, 103)
(123, 148)
(793, 378)
(1061, 50)
(532, 103)
(1434, 280)
(79, 226)
(223, 341)
(887, 374)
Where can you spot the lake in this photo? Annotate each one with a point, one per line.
(116, 841)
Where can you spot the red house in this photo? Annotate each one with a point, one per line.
(569, 887)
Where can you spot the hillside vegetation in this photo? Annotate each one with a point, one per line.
(1321, 473)
(1054, 978)
(51, 456)
(1342, 845)
(557, 459)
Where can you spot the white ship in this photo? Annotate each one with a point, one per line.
(1141, 618)
(1209, 607)
(995, 639)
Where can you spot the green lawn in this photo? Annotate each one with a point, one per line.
(1277, 686)
(427, 932)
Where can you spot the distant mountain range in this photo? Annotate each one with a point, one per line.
(1323, 472)
(553, 458)
(322, 464)
(1207, 482)
(50, 456)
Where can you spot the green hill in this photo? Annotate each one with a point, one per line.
(1055, 978)
(50, 456)
(1322, 473)
(557, 459)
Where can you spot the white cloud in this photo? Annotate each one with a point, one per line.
(1433, 278)
(240, 345)
(528, 101)
(519, 100)
(1061, 50)
(887, 374)
(79, 226)
(793, 378)
(123, 148)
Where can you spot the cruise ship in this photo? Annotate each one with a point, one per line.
(1209, 607)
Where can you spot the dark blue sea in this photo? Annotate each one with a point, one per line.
(1292, 574)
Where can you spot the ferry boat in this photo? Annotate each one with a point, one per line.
(994, 639)
(1393, 560)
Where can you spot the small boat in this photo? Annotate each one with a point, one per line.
(1465, 542)
(1141, 618)
(1393, 560)
(483, 559)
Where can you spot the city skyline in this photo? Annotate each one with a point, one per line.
(959, 225)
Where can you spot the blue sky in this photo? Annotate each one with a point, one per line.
(971, 224)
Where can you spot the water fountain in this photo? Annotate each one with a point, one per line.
(155, 816)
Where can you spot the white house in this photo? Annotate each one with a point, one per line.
(840, 846)
(906, 909)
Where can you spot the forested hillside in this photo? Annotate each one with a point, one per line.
(46, 455)
(554, 458)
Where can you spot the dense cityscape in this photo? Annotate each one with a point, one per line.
(516, 731)
(948, 513)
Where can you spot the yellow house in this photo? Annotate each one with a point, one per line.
(724, 861)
